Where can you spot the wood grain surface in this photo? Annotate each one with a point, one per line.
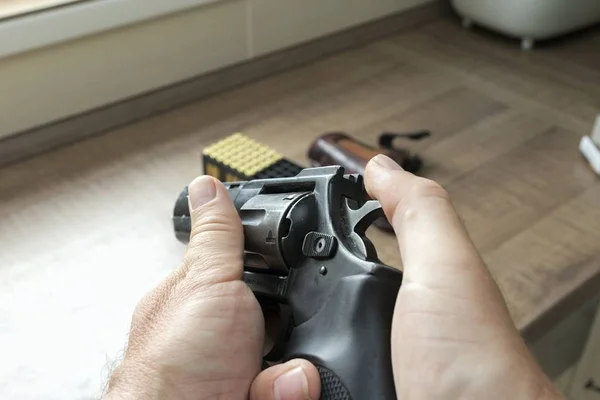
(86, 229)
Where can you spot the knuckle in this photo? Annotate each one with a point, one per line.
(200, 286)
(214, 244)
(215, 249)
(210, 257)
(205, 257)
(213, 231)
(426, 188)
(423, 189)
(216, 221)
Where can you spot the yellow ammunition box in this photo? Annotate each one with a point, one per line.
(240, 158)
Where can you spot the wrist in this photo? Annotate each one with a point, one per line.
(502, 373)
(521, 378)
(140, 381)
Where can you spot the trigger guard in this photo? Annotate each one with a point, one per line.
(277, 352)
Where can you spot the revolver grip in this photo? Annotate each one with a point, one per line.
(349, 339)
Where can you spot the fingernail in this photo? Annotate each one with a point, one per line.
(290, 385)
(384, 161)
(201, 191)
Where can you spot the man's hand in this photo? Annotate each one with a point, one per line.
(452, 335)
(200, 334)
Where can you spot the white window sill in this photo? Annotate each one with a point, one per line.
(15, 8)
(72, 21)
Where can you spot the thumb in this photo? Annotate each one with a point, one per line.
(294, 380)
(433, 241)
(216, 246)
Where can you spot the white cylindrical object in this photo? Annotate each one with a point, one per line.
(591, 152)
(530, 19)
(596, 132)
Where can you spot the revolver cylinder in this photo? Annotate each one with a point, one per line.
(267, 220)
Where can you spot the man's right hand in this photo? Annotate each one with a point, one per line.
(452, 335)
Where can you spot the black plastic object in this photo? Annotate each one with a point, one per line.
(306, 249)
(281, 168)
(386, 139)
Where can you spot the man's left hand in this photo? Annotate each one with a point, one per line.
(200, 333)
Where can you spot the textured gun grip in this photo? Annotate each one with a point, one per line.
(332, 387)
(349, 339)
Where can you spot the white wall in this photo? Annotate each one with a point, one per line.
(55, 82)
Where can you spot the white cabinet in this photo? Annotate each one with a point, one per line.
(108, 66)
(70, 78)
(277, 24)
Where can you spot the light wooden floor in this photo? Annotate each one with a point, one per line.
(86, 229)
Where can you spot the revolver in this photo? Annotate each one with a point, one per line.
(306, 250)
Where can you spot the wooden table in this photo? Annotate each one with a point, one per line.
(86, 229)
